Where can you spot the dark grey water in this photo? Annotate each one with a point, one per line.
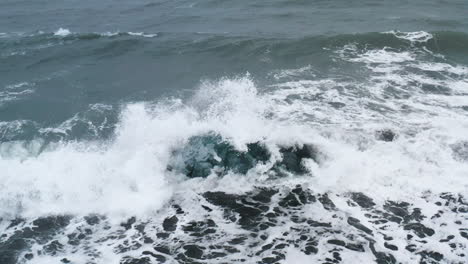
(127, 126)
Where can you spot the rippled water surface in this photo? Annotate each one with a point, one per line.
(135, 132)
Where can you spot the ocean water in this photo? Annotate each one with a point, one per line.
(213, 131)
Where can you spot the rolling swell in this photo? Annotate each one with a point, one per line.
(443, 42)
(439, 41)
(366, 132)
(90, 56)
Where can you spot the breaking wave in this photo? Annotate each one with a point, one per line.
(305, 168)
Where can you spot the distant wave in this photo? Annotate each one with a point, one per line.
(63, 32)
(438, 41)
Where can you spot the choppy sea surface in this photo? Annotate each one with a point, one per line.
(213, 131)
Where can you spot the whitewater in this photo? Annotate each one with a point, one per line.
(310, 167)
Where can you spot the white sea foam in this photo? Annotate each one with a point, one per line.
(17, 85)
(86, 117)
(384, 56)
(307, 70)
(16, 91)
(142, 34)
(127, 175)
(109, 34)
(443, 67)
(416, 36)
(138, 34)
(62, 32)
